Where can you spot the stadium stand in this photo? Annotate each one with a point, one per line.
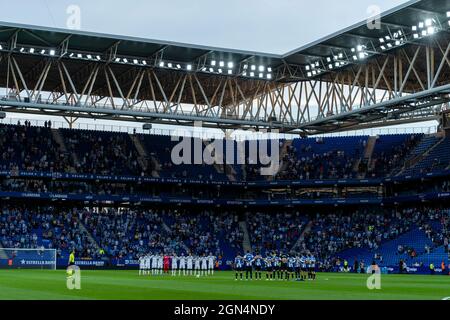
(114, 229)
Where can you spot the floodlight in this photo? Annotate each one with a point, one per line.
(448, 14)
(361, 55)
(221, 64)
(421, 25)
(22, 49)
(244, 73)
(389, 45)
(144, 62)
(52, 52)
(428, 22)
(43, 51)
(328, 59)
(309, 74)
(261, 68)
(383, 48)
(189, 67)
(161, 64)
(125, 60)
(31, 50)
(355, 58)
(245, 66)
(230, 71)
(253, 67)
(170, 65)
(220, 70)
(416, 36)
(424, 32)
(397, 42)
(269, 69)
(135, 61)
(252, 74)
(213, 62)
(430, 30)
(261, 75)
(381, 40)
(211, 69)
(341, 55)
(230, 65)
(307, 68)
(1, 47)
(89, 56)
(269, 76)
(359, 48)
(81, 56)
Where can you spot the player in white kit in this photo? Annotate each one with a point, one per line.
(211, 261)
(182, 265)
(147, 261)
(197, 265)
(142, 264)
(204, 261)
(190, 266)
(160, 264)
(174, 264)
(154, 264)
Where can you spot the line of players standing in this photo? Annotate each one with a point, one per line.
(183, 265)
(276, 266)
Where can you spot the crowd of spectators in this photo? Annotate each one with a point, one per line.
(129, 233)
(333, 233)
(44, 227)
(31, 149)
(384, 163)
(329, 165)
(103, 152)
(277, 231)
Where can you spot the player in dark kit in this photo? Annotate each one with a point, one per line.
(284, 266)
(304, 268)
(268, 262)
(248, 260)
(298, 268)
(258, 263)
(238, 266)
(276, 266)
(291, 267)
(312, 261)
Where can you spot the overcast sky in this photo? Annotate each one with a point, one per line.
(272, 26)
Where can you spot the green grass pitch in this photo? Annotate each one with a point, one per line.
(124, 285)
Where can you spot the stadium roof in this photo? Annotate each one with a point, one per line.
(222, 85)
(403, 16)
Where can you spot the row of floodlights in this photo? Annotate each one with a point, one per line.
(219, 67)
(396, 39)
(426, 28)
(423, 29)
(216, 66)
